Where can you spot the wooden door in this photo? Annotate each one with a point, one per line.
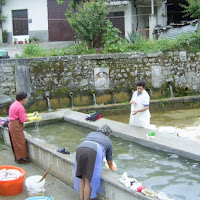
(59, 28)
(117, 19)
(20, 22)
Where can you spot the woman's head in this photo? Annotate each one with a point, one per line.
(140, 86)
(105, 129)
(21, 96)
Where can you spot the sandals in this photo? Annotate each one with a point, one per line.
(62, 150)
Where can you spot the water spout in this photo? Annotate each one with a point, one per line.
(94, 99)
(171, 90)
(47, 96)
(72, 101)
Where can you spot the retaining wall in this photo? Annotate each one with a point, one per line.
(176, 72)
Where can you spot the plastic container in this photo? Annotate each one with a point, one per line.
(12, 187)
(139, 189)
(152, 133)
(34, 187)
(40, 198)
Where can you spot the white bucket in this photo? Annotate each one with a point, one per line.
(34, 187)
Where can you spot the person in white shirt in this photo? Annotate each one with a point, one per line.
(140, 115)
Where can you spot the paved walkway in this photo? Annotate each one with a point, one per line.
(18, 48)
(54, 187)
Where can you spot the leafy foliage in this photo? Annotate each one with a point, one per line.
(33, 40)
(5, 36)
(111, 40)
(87, 20)
(114, 44)
(2, 2)
(185, 42)
(60, 2)
(192, 9)
(2, 16)
(134, 37)
(74, 49)
(33, 50)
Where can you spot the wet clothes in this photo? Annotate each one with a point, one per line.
(141, 119)
(17, 116)
(89, 159)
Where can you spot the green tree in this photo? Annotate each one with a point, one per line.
(192, 9)
(87, 20)
(2, 19)
(2, 16)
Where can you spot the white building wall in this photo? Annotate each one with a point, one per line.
(126, 7)
(37, 12)
(143, 15)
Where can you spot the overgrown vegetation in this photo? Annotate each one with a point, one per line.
(192, 9)
(5, 36)
(88, 19)
(2, 16)
(186, 42)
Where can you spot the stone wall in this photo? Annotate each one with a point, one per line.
(73, 80)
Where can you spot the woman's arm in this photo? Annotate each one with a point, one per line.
(140, 110)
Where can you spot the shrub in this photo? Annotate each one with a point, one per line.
(111, 40)
(33, 50)
(5, 36)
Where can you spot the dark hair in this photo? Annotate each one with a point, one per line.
(105, 129)
(141, 83)
(21, 95)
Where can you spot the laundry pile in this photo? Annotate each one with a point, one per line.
(136, 186)
(94, 116)
(9, 174)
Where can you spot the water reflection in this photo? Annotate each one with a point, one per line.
(186, 121)
(176, 176)
(177, 118)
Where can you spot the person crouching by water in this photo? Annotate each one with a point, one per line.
(17, 116)
(89, 159)
(140, 115)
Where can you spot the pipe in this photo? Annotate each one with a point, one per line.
(152, 7)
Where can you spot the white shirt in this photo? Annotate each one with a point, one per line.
(141, 119)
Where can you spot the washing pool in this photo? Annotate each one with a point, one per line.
(178, 177)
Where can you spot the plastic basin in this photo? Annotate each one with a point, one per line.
(12, 187)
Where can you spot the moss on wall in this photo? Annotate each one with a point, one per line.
(104, 99)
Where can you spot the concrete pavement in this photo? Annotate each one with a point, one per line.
(54, 187)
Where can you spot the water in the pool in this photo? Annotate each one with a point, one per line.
(178, 177)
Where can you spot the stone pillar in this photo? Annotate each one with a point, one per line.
(152, 24)
(22, 79)
(162, 14)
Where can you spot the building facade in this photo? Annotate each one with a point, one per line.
(45, 20)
